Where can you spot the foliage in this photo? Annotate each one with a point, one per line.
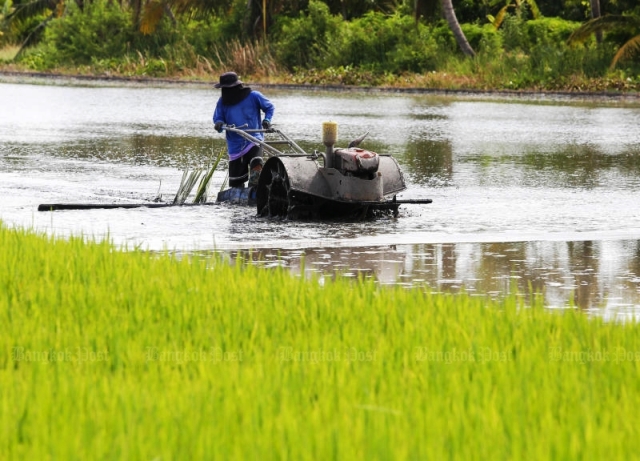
(549, 31)
(314, 42)
(629, 24)
(385, 43)
(353, 9)
(206, 35)
(138, 356)
(483, 38)
(101, 31)
(237, 24)
(303, 41)
(339, 75)
(15, 26)
(521, 8)
(514, 33)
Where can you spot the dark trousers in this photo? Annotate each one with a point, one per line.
(239, 168)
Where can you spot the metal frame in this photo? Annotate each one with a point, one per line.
(268, 145)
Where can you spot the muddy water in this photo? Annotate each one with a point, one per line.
(540, 194)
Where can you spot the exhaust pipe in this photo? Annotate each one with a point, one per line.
(329, 139)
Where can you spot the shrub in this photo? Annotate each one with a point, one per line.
(303, 41)
(101, 31)
(206, 35)
(550, 31)
(514, 34)
(378, 42)
(157, 44)
(483, 38)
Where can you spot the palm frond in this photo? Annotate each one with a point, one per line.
(34, 8)
(7, 9)
(627, 51)
(535, 11)
(603, 24)
(32, 34)
(497, 21)
(151, 16)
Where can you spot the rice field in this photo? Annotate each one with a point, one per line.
(107, 354)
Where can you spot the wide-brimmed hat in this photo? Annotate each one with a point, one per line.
(228, 80)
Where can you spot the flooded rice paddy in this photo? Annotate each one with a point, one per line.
(542, 195)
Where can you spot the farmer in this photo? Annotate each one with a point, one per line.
(241, 106)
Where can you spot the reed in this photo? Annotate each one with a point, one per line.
(107, 354)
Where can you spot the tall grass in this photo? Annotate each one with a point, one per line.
(8, 52)
(123, 355)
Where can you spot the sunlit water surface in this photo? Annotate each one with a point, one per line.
(543, 195)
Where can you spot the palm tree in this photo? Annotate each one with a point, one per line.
(595, 13)
(30, 9)
(454, 25)
(628, 23)
(595, 9)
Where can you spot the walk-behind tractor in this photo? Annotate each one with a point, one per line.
(340, 182)
(349, 182)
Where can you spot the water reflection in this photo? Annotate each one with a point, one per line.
(430, 162)
(427, 163)
(139, 149)
(599, 277)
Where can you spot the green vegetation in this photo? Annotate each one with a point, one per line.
(106, 354)
(514, 44)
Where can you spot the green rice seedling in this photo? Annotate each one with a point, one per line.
(107, 354)
(188, 181)
(203, 188)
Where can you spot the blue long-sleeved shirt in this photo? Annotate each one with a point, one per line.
(246, 112)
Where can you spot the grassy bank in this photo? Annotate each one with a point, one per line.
(514, 47)
(113, 355)
(436, 80)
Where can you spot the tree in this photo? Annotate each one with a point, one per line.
(454, 25)
(595, 13)
(620, 23)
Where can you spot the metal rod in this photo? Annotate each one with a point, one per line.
(272, 150)
(394, 203)
(418, 201)
(292, 142)
(95, 206)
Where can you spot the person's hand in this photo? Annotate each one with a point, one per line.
(266, 124)
(218, 127)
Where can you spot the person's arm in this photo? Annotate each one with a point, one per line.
(266, 106)
(218, 117)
